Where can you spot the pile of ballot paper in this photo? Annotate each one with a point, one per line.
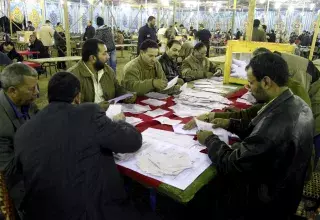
(247, 98)
(191, 102)
(238, 69)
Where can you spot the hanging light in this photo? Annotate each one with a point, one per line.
(312, 5)
(291, 9)
(277, 5)
(210, 10)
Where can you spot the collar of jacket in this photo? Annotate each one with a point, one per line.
(84, 71)
(196, 60)
(144, 65)
(4, 102)
(166, 57)
(272, 106)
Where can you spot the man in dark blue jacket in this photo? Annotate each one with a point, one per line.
(148, 32)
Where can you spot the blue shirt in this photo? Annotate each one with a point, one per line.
(24, 113)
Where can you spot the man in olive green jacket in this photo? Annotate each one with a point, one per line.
(97, 79)
(198, 66)
(144, 74)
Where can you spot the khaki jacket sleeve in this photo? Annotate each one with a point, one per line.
(314, 93)
(133, 83)
(189, 74)
(120, 90)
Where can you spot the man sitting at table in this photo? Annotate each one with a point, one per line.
(168, 61)
(144, 74)
(9, 49)
(65, 154)
(198, 66)
(265, 172)
(19, 91)
(97, 79)
(37, 46)
(186, 48)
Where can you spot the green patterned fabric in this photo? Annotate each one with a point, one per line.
(184, 196)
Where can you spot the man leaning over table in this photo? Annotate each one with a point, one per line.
(266, 170)
(97, 79)
(198, 66)
(19, 91)
(144, 74)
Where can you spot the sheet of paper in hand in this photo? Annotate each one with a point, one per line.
(220, 132)
(120, 98)
(167, 121)
(172, 83)
(113, 110)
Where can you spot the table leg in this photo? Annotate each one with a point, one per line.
(153, 199)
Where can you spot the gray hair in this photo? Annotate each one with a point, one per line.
(13, 75)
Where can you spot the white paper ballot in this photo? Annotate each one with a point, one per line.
(113, 110)
(135, 108)
(156, 113)
(156, 95)
(154, 102)
(167, 121)
(178, 129)
(172, 82)
(120, 98)
(220, 132)
(133, 121)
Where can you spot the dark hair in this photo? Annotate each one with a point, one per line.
(148, 44)
(29, 22)
(181, 25)
(199, 45)
(261, 50)
(48, 21)
(90, 47)
(264, 27)
(201, 25)
(151, 18)
(58, 23)
(8, 43)
(185, 36)
(63, 87)
(191, 28)
(271, 65)
(100, 21)
(171, 42)
(256, 23)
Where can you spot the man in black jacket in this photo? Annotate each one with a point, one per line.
(168, 60)
(37, 45)
(204, 35)
(265, 172)
(90, 32)
(148, 32)
(66, 157)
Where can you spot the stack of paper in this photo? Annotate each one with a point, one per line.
(184, 111)
(170, 158)
(154, 102)
(249, 98)
(178, 129)
(156, 113)
(156, 95)
(167, 121)
(238, 69)
(135, 108)
(133, 121)
(220, 132)
(113, 110)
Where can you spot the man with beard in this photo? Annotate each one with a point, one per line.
(19, 91)
(265, 171)
(148, 32)
(198, 66)
(144, 74)
(97, 79)
(168, 60)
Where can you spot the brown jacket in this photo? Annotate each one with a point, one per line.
(109, 83)
(259, 35)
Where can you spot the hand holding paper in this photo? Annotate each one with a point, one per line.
(120, 98)
(172, 83)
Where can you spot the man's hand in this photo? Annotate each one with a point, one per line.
(221, 123)
(119, 117)
(218, 73)
(160, 84)
(14, 60)
(209, 74)
(176, 90)
(104, 105)
(203, 135)
(131, 99)
(192, 123)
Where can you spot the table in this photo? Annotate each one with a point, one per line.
(27, 53)
(125, 45)
(218, 60)
(56, 59)
(181, 196)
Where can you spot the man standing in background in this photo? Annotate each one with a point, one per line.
(90, 31)
(148, 32)
(46, 33)
(204, 35)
